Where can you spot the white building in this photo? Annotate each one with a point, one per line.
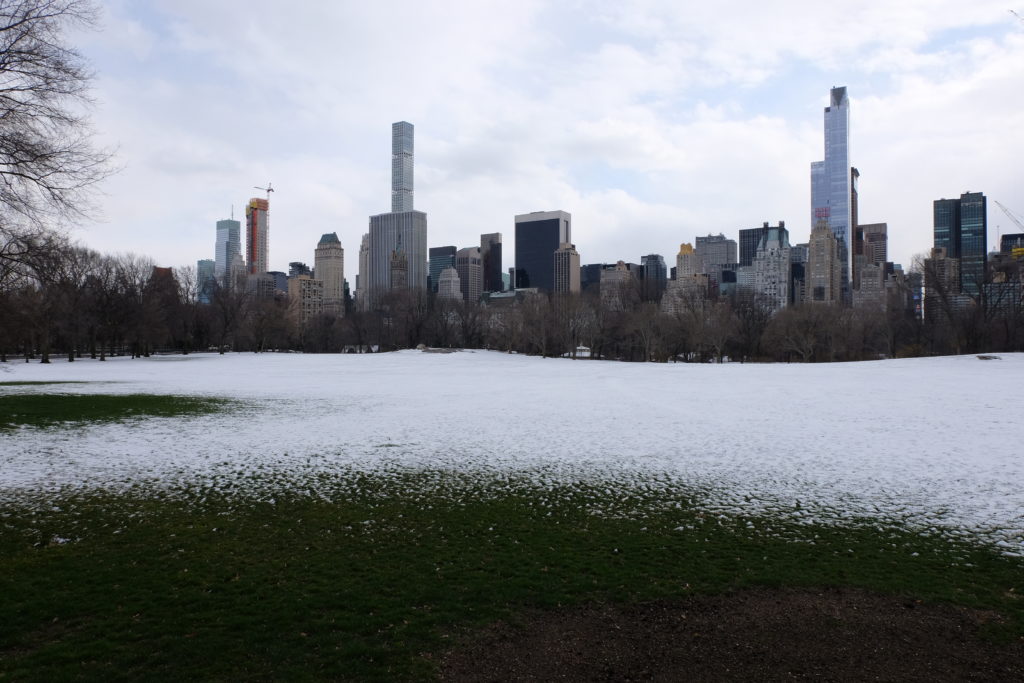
(771, 268)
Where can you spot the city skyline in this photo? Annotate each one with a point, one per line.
(649, 129)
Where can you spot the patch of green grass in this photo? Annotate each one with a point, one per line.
(44, 410)
(375, 576)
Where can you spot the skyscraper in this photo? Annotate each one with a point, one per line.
(567, 269)
(440, 258)
(961, 228)
(398, 240)
(205, 280)
(714, 250)
(490, 251)
(228, 248)
(749, 239)
(329, 266)
(257, 228)
(832, 183)
(401, 166)
(654, 277)
(469, 266)
(538, 236)
(772, 267)
(822, 269)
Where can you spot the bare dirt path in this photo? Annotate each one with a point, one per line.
(762, 635)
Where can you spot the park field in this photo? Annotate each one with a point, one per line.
(355, 517)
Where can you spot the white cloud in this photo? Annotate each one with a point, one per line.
(651, 122)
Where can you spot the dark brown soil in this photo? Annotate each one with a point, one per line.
(757, 635)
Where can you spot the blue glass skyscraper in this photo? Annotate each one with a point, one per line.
(832, 183)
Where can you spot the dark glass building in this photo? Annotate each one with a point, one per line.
(538, 236)
(490, 251)
(440, 258)
(654, 277)
(749, 239)
(961, 228)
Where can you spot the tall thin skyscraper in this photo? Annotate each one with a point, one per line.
(401, 232)
(832, 183)
(257, 228)
(228, 248)
(401, 166)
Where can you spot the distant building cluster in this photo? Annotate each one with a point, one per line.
(843, 262)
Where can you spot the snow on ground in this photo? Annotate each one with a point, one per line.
(932, 442)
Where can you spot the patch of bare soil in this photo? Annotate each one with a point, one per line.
(756, 635)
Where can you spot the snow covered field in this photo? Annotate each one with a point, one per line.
(933, 443)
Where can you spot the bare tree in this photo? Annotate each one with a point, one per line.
(48, 162)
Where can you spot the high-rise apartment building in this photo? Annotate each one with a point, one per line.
(228, 248)
(329, 267)
(772, 267)
(490, 251)
(440, 258)
(686, 261)
(305, 298)
(832, 181)
(257, 229)
(469, 266)
(822, 276)
(538, 236)
(567, 269)
(876, 242)
(401, 166)
(398, 240)
(654, 277)
(715, 250)
(961, 229)
(362, 297)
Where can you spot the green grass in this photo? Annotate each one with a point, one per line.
(43, 410)
(365, 577)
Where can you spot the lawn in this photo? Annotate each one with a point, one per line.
(371, 577)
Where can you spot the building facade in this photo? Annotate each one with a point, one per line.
(440, 258)
(469, 265)
(538, 236)
(822, 273)
(832, 184)
(228, 248)
(329, 268)
(401, 166)
(772, 268)
(257, 233)
(654, 277)
(490, 252)
(449, 287)
(567, 269)
(961, 229)
(714, 250)
(397, 243)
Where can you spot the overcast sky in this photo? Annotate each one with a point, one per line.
(650, 122)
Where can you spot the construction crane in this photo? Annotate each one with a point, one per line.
(1009, 214)
(268, 189)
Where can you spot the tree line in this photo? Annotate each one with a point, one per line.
(68, 300)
